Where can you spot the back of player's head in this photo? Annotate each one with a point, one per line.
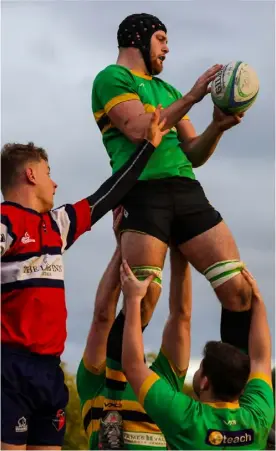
(13, 159)
(227, 369)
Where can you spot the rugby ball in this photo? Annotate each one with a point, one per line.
(235, 87)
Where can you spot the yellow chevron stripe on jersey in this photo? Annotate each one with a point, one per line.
(262, 377)
(116, 84)
(115, 375)
(119, 99)
(134, 426)
(99, 401)
(151, 108)
(223, 405)
(94, 426)
(141, 75)
(92, 403)
(175, 369)
(102, 115)
(98, 115)
(147, 384)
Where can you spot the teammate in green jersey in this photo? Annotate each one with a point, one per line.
(138, 430)
(97, 368)
(236, 403)
(167, 205)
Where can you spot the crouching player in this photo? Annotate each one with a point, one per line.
(102, 386)
(235, 407)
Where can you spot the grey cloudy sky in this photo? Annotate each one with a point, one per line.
(51, 52)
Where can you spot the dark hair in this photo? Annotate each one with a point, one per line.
(13, 158)
(227, 369)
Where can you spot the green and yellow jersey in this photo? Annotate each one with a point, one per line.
(117, 84)
(190, 424)
(140, 431)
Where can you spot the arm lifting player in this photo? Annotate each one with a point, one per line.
(101, 365)
(233, 408)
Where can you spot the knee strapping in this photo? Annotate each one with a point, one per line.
(142, 272)
(221, 272)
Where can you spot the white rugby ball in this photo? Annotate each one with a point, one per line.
(235, 87)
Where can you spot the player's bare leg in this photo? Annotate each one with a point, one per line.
(214, 246)
(142, 253)
(43, 447)
(8, 446)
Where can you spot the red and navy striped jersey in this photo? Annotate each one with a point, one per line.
(32, 273)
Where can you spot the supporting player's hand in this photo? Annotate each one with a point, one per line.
(131, 286)
(225, 121)
(155, 131)
(201, 86)
(117, 218)
(256, 295)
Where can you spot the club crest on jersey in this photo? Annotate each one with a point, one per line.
(27, 239)
(22, 425)
(243, 437)
(59, 420)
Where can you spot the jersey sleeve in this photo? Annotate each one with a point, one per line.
(73, 220)
(258, 398)
(7, 235)
(112, 86)
(167, 370)
(90, 381)
(112, 191)
(166, 406)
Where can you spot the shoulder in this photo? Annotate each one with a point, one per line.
(113, 71)
(14, 217)
(259, 381)
(167, 86)
(258, 397)
(10, 210)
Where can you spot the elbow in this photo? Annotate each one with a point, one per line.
(136, 139)
(103, 316)
(197, 164)
(125, 366)
(129, 367)
(129, 370)
(182, 316)
(135, 134)
(192, 159)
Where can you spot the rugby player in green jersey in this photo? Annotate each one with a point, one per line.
(236, 403)
(167, 204)
(100, 381)
(138, 430)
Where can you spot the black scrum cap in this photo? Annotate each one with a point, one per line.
(136, 31)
